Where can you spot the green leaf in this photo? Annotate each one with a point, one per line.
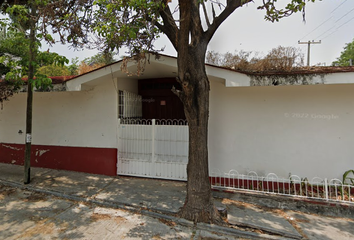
(348, 180)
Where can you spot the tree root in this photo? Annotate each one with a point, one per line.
(207, 214)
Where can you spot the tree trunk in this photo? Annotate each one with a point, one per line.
(32, 54)
(198, 205)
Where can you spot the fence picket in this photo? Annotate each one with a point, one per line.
(159, 145)
(317, 188)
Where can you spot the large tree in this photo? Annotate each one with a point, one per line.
(346, 57)
(189, 25)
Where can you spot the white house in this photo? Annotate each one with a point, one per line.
(299, 123)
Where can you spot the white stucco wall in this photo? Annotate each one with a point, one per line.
(339, 78)
(83, 119)
(128, 84)
(302, 130)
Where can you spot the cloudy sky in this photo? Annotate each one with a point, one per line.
(330, 21)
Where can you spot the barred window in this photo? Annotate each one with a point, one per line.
(130, 105)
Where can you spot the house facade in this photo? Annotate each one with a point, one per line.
(101, 122)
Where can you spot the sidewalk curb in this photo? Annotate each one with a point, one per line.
(155, 213)
(311, 206)
(280, 233)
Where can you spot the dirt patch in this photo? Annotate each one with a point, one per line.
(40, 228)
(167, 222)
(35, 197)
(5, 191)
(242, 205)
(63, 227)
(230, 201)
(157, 237)
(302, 220)
(97, 217)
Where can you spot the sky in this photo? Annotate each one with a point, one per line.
(328, 21)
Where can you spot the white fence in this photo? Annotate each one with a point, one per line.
(153, 148)
(317, 188)
(159, 149)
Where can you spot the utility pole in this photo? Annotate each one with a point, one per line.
(32, 55)
(308, 48)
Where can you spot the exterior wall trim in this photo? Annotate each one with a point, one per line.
(82, 159)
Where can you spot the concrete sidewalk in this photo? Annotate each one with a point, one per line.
(162, 198)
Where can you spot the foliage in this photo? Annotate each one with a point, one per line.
(347, 179)
(137, 24)
(18, 64)
(74, 66)
(275, 14)
(102, 58)
(48, 58)
(6, 91)
(130, 23)
(346, 55)
(14, 57)
(13, 46)
(280, 59)
(54, 70)
(84, 67)
(50, 64)
(99, 60)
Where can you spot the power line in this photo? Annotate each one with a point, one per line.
(317, 27)
(335, 26)
(339, 6)
(325, 20)
(338, 28)
(345, 15)
(325, 32)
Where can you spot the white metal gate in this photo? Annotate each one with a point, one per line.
(153, 148)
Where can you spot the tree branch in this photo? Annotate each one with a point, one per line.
(231, 6)
(178, 93)
(196, 24)
(205, 14)
(169, 27)
(213, 12)
(184, 27)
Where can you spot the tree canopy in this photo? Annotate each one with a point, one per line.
(137, 24)
(13, 46)
(347, 56)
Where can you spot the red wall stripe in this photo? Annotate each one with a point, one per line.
(80, 159)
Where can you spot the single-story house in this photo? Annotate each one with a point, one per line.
(295, 123)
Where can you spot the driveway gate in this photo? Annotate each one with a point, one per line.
(153, 148)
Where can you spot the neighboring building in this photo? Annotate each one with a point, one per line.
(297, 123)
